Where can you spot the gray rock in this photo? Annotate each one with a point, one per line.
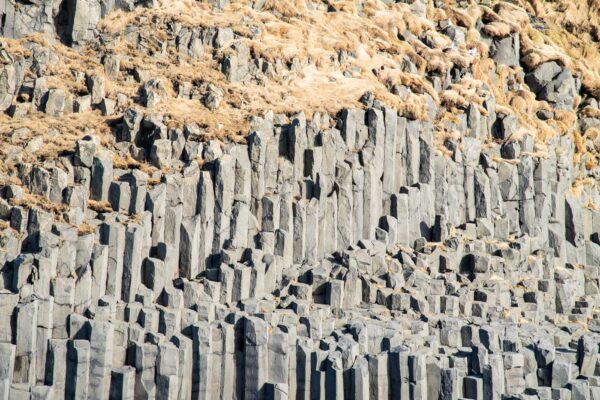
(553, 83)
(97, 88)
(55, 105)
(8, 86)
(506, 50)
(107, 106)
(160, 154)
(153, 93)
(213, 98)
(84, 16)
(236, 66)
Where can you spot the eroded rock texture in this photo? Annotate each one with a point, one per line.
(206, 200)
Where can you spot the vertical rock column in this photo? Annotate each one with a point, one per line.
(43, 335)
(7, 363)
(101, 345)
(145, 355)
(184, 369)
(132, 262)
(64, 299)
(278, 361)
(284, 236)
(206, 210)
(358, 185)
(542, 197)
(156, 201)
(167, 372)
(56, 371)
(189, 247)
(242, 198)
(312, 230)
(360, 380)
(413, 152)
(99, 264)
(206, 363)
(390, 174)
(78, 364)
(298, 143)
(344, 205)
(378, 376)
(300, 225)
(102, 176)
(229, 379)
(257, 148)
(526, 195)
(122, 385)
(303, 370)
(173, 219)
(224, 192)
(255, 357)
(112, 235)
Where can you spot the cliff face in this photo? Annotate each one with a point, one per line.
(299, 199)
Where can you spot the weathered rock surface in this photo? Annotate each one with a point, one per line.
(433, 241)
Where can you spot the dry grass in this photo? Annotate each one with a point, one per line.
(499, 29)
(463, 93)
(590, 112)
(289, 31)
(579, 185)
(35, 201)
(99, 206)
(286, 32)
(588, 155)
(129, 162)
(466, 18)
(58, 134)
(536, 56)
(11, 180)
(85, 229)
(573, 29)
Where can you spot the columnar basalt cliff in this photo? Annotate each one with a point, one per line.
(299, 200)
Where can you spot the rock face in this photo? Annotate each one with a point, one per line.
(436, 246)
(73, 20)
(553, 83)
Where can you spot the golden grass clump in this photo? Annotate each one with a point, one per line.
(36, 201)
(99, 206)
(129, 162)
(592, 133)
(499, 29)
(467, 18)
(85, 229)
(511, 13)
(590, 112)
(417, 83)
(536, 56)
(285, 8)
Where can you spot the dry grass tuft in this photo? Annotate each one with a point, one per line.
(590, 112)
(85, 229)
(499, 29)
(535, 56)
(466, 18)
(35, 201)
(100, 206)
